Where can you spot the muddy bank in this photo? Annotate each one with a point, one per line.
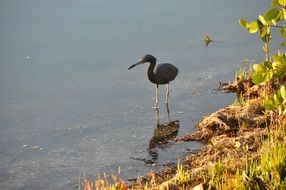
(232, 135)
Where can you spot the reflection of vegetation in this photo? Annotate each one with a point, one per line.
(247, 141)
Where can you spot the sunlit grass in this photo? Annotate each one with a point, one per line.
(273, 158)
(112, 182)
(182, 176)
(267, 171)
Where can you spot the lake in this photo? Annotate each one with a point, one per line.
(68, 104)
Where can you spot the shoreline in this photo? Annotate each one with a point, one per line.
(233, 137)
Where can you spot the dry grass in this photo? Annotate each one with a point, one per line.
(107, 182)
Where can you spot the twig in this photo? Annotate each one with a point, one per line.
(277, 26)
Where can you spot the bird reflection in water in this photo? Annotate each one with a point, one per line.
(162, 137)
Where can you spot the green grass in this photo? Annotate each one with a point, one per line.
(182, 176)
(273, 159)
(267, 171)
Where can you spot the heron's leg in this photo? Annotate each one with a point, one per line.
(167, 95)
(158, 116)
(157, 97)
(168, 111)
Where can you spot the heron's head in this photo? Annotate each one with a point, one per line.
(146, 58)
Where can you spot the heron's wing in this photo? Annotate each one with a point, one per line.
(165, 73)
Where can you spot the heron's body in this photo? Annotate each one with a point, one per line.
(161, 74)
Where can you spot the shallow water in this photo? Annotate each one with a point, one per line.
(67, 102)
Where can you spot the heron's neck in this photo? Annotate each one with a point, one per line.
(151, 74)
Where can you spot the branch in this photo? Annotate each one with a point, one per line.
(277, 26)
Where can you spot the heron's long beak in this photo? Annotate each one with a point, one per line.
(138, 63)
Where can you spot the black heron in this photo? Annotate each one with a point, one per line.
(162, 74)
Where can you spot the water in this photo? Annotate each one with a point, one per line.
(68, 103)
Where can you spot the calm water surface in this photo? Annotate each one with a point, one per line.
(68, 103)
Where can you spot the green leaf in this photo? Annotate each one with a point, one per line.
(284, 13)
(243, 23)
(252, 27)
(280, 111)
(262, 32)
(274, 3)
(279, 58)
(284, 112)
(271, 14)
(283, 92)
(283, 32)
(268, 76)
(262, 20)
(280, 72)
(282, 2)
(283, 43)
(258, 68)
(274, 22)
(269, 104)
(275, 65)
(268, 64)
(276, 99)
(282, 60)
(257, 78)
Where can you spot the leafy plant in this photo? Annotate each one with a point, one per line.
(265, 22)
(267, 70)
(217, 177)
(277, 101)
(251, 175)
(273, 67)
(182, 176)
